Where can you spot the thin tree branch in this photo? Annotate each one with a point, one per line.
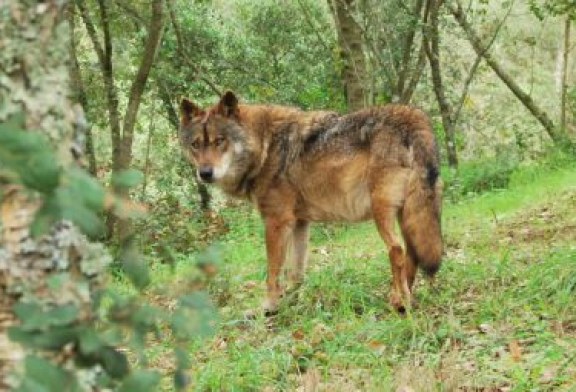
(407, 46)
(308, 19)
(131, 11)
(183, 52)
(476, 64)
(85, 15)
(542, 117)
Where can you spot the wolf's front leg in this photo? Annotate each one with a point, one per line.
(278, 233)
(299, 253)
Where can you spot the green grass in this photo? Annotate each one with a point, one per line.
(501, 315)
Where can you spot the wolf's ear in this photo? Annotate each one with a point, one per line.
(188, 110)
(228, 105)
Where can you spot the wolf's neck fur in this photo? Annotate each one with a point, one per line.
(264, 123)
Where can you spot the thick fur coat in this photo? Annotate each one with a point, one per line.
(299, 167)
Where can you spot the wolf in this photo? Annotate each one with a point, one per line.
(298, 167)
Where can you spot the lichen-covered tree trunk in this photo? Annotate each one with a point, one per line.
(34, 86)
(354, 70)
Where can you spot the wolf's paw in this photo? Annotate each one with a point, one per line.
(270, 306)
(400, 303)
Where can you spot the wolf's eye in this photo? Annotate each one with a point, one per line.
(196, 144)
(219, 141)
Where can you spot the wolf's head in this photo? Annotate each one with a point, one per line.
(214, 141)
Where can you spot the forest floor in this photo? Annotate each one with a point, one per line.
(501, 315)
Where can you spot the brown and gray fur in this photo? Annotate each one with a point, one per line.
(299, 167)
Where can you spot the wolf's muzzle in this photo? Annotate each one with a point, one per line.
(206, 173)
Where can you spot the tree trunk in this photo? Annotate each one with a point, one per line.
(432, 46)
(557, 136)
(35, 86)
(136, 91)
(354, 68)
(77, 89)
(564, 75)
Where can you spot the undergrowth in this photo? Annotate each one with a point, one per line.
(500, 317)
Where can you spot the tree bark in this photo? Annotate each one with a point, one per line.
(432, 45)
(354, 69)
(35, 85)
(77, 89)
(557, 136)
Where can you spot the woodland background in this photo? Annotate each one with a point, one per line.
(496, 77)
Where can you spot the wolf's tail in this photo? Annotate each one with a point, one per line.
(421, 214)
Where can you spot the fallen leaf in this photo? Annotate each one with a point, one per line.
(515, 350)
(298, 334)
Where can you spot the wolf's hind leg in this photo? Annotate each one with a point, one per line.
(298, 263)
(410, 267)
(278, 235)
(387, 198)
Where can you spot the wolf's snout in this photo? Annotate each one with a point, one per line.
(206, 173)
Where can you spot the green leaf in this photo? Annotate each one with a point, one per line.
(72, 207)
(197, 300)
(41, 375)
(145, 318)
(52, 339)
(41, 172)
(30, 314)
(134, 266)
(127, 178)
(46, 216)
(62, 315)
(113, 362)
(141, 381)
(25, 154)
(90, 342)
(34, 317)
(86, 188)
(181, 380)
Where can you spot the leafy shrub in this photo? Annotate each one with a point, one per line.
(70, 323)
(476, 177)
